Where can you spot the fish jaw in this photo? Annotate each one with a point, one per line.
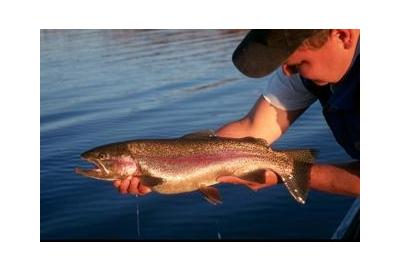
(112, 168)
(98, 172)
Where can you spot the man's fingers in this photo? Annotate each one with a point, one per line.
(137, 188)
(133, 187)
(117, 183)
(123, 188)
(271, 178)
(143, 189)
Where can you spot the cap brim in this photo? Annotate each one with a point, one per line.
(262, 51)
(255, 58)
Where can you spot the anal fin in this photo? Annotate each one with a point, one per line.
(211, 194)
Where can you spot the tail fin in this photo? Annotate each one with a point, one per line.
(297, 181)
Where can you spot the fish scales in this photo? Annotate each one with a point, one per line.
(194, 162)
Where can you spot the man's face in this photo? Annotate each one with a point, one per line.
(324, 65)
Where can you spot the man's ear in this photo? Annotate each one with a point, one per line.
(345, 36)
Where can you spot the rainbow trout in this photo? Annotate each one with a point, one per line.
(195, 161)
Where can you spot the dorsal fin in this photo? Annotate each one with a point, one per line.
(203, 134)
(260, 141)
(304, 155)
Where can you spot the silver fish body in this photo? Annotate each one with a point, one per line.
(195, 161)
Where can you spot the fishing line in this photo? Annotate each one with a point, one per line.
(137, 217)
(218, 233)
(217, 217)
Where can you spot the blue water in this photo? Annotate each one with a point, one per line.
(99, 87)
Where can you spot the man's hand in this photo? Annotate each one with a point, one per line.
(271, 179)
(131, 185)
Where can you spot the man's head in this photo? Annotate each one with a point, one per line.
(319, 55)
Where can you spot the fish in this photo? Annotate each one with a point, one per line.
(195, 161)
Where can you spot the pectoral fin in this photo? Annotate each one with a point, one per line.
(211, 194)
(151, 181)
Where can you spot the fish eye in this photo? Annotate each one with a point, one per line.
(102, 156)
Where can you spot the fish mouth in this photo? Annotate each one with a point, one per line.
(99, 171)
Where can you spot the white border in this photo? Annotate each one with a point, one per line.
(20, 47)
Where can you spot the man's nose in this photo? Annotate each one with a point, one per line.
(289, 70)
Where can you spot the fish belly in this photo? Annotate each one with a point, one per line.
(182, 186)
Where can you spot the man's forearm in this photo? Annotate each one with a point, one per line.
(341, 179)
(235, 129)
(263, 121)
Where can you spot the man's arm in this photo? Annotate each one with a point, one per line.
(343, 179)
(263, 121)
(268, 122)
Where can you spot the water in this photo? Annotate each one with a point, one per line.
(99, 87)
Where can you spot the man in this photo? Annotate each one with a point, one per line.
(303, 66)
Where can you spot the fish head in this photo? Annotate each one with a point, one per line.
(111, 162)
